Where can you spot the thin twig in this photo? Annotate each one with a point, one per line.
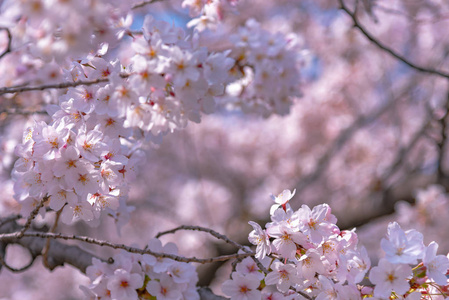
(199, 228)
(45, 235)
(10, 219)
(218, 236)
(22, 112)
(442, 142)
(227, 240)
(142, 4)
(370, 37)
(8, 47)
(32, 216)
(3, 262)
(58, 255)
(398, 12)
(47, 244)
(63, 85)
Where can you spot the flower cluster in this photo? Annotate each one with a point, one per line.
(208, 13)
(135, 276)
(306, 254)
(172, 79)
(79, 161)
(76, 28)
(393, 274)
(85, 158)
(268, 67)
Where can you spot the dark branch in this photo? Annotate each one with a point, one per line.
(63, 85)
(8, 47)
(58, 253)
(142, 4)
(370, 37)
(31, 217)
(4, 264)
(44, 235)
(441, 143)
(218, 236)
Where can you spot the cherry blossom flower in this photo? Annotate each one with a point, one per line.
(283, 275)
(402, 247)
(123, 284)
(358, 265)
(436, 265)
(260, 238)
(165, 288)
(242, 287)
(390, 277)
(314, 223)
(309, 264)
(249, 266)
(286, 239)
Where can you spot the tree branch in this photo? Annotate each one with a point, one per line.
(370, 37)
(8, 47)
(31, 217)
(441, 144)
(63, 85)
(57, 255)
(47, 243)
(142, 4)
(44, 235)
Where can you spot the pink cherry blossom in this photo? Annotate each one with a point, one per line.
(242, 287)
(390, 277)
(402, 247)
(436, 265)
(260, 238)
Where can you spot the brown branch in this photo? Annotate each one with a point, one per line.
(58, 253)
(8, 47)
(227, 240)
(63, 85)
(47, 244)
(22, 112)
(4, 264)
(440, 144)
(203, 229)
(218, 236)
(44, 235)
(142, 4)
(370, 37)
(32, 215)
